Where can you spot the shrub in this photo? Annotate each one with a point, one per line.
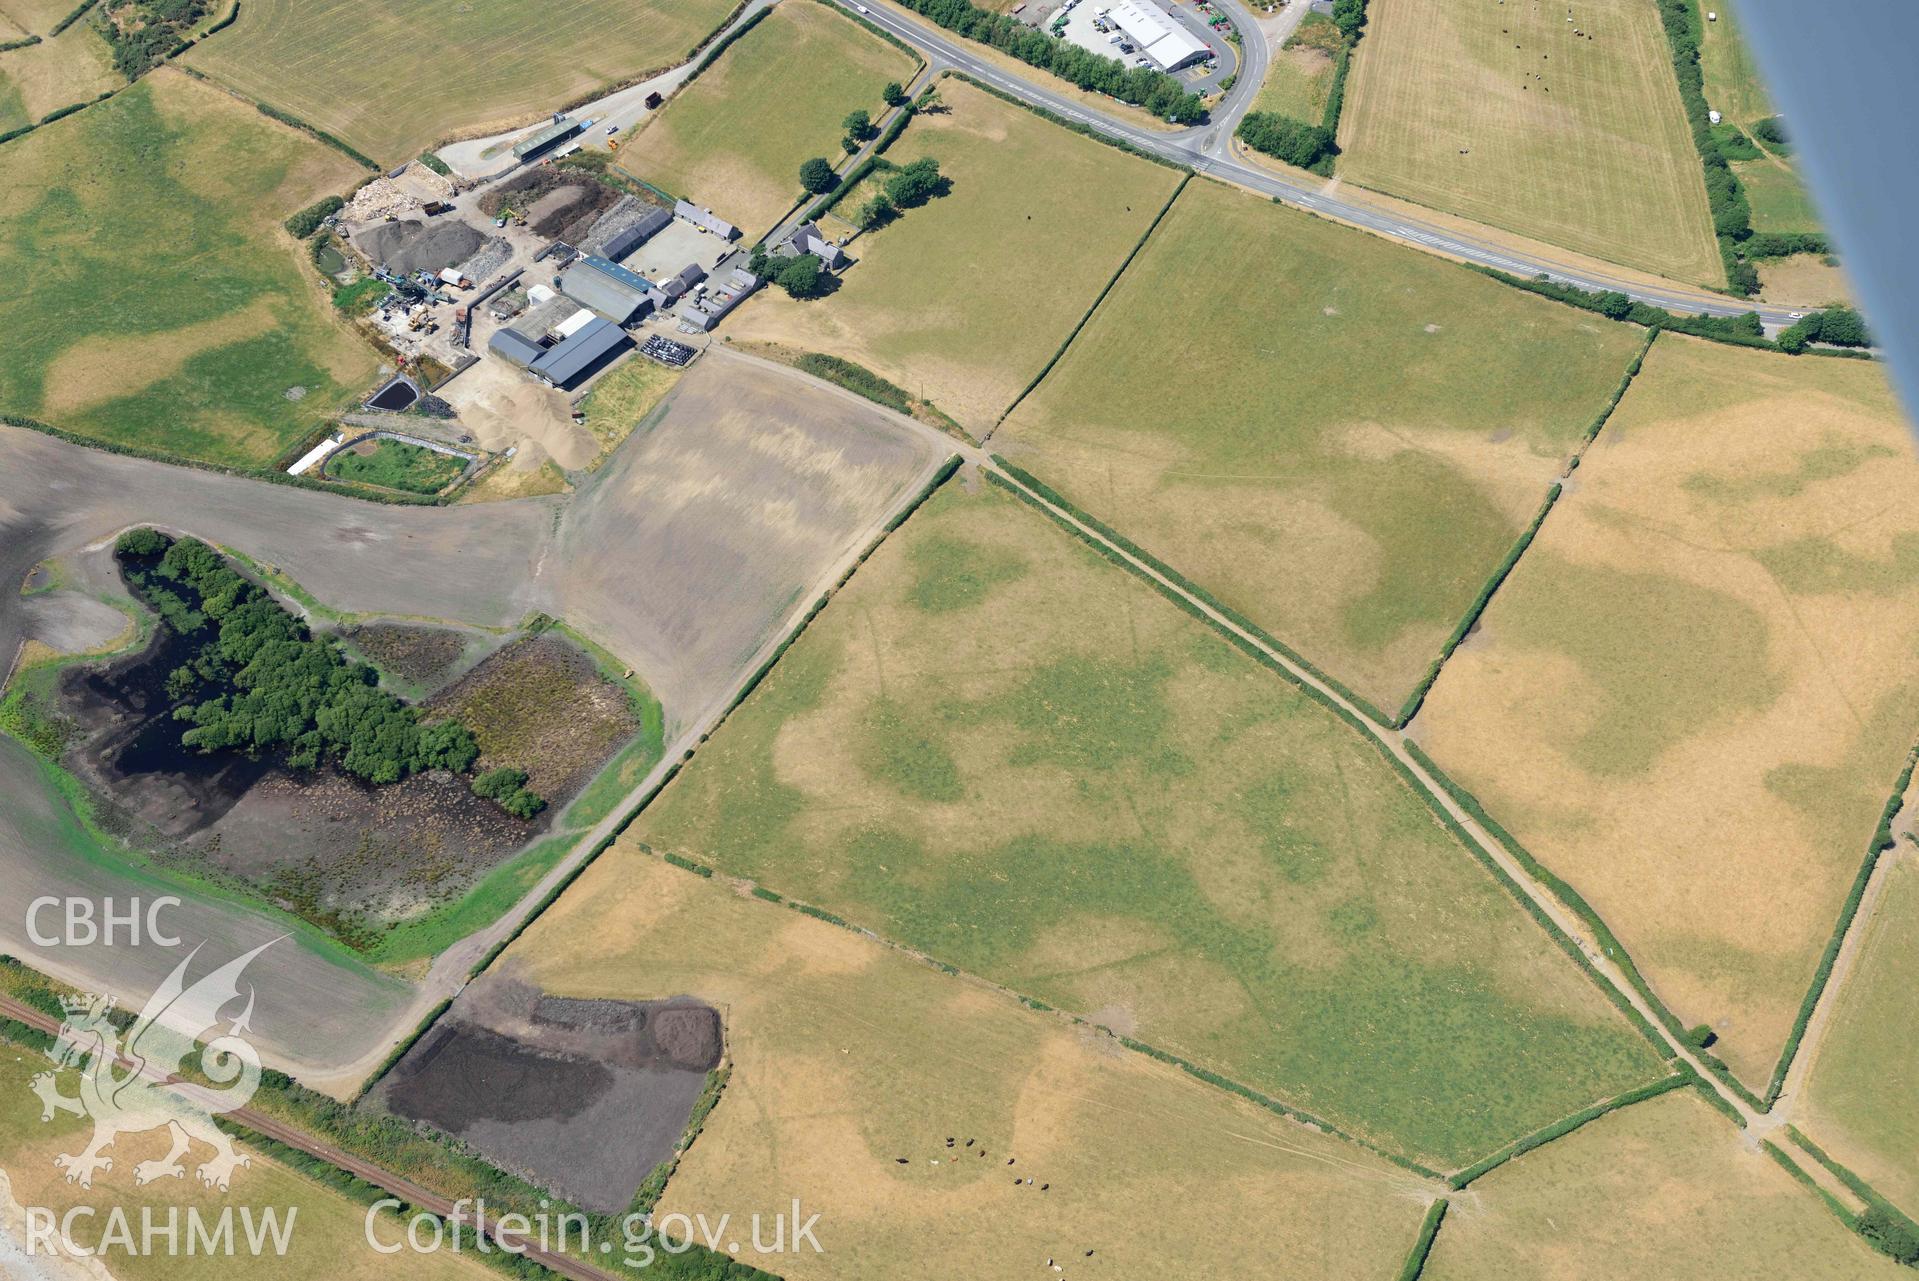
(1349, 16)
(142, 544)
(1733, 144)
(1772, 132)
(1890, 1233)
(506, 787)
(1837, 326)
(308, 220)
(876, 212)
(916, 183)
(817, 176)
(1292, 141)
(802, 277)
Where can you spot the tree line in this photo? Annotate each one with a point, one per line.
(260, 682)
(1145, 87)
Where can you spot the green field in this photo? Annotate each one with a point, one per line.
(1734, 88)
(156, 303)
(848, 1055)
(396, 464)
(1662, 1189)
(1694, 694)
(1861, 1101)
(1732, 81)
(997, 748)
(392, 80)
(1346, 444)
(1780, 201)
(734, 139)
(1040, 219)
(1507, 114)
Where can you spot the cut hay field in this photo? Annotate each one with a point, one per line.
(1861, 1099)
(157, 304)
(854, 1064)
(328, 1241)
(392, 80)
(735, 138)
(1662, 1189)
(74, 66)
(1579, 142)
(965, 299)
(1695, 693)
(36, 16)
(997, 748)
(1382, 420)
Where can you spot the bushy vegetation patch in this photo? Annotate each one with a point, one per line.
(397, 464)
(308, 220)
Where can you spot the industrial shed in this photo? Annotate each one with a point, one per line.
(607, 288)
(515, 348)
(1157, 35)
(705, 219)
(638, 234)
(558, 131)
(585, 351)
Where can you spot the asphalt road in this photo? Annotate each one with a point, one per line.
(1208, 149)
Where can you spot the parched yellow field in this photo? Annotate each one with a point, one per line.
(1662, 1189)
(849, 1056)
(37, 16)
(1804, 280)
(1505, 113)
(392, 79)
(998, 748)
(1861, 1099)
(327, 1242)
(1335, 435)
(74, 66)
(966, 298)
(1693, 696)
(735, 138)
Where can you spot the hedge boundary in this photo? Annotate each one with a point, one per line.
(1566, 1125)
(1792, 1167)
(1410, 708)
(72, 18)
(1053, 496)
(269, 475)
(1573, 901)
(1087, 317)
(1203, 1074)
(718, 47)
(1445, 819)
(752, 682)
(1074, 126)
(853, 177)
(1423, 1243)
(1881, 842)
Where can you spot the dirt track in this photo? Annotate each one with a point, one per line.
(684, 557)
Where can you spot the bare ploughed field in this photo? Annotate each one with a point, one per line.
(584, 1097)
(705, 531)
(687, 553)
(681, 558)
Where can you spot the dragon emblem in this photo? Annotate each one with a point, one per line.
(125, 1084)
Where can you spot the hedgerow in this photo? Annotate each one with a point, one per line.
(1881, 842)
(1423, 1243)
